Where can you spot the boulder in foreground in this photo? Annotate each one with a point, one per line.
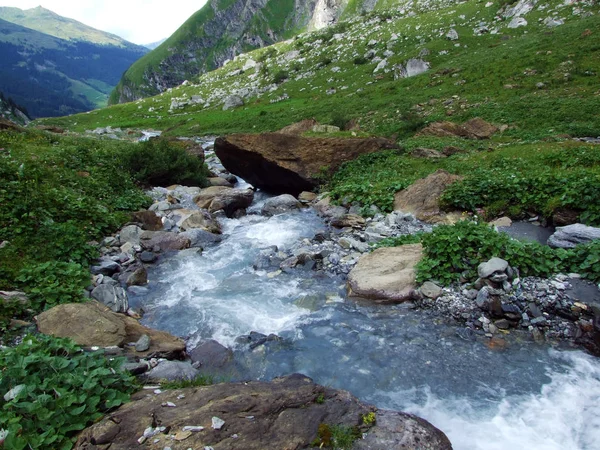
(288, 164)
(283, 414)
(92, 324)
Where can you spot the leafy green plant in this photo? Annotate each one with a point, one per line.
(158, 162)
(56, 390)
(53, 282)
(337, 437)
(369, 419)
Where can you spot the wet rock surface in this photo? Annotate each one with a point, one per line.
(285, 413)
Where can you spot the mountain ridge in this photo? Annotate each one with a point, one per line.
(51, 76)
(48, 22)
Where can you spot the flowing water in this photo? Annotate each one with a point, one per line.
(525, 396)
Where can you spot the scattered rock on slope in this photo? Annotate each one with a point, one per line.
(422, 197)
(472, 129)
(282, 163)
(283, 414)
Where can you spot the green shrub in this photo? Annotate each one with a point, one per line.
(158, 162)
(63, 390)
(360, 60)
(280, 77)
(452, 251)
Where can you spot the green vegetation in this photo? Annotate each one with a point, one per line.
(57, 390)
(454, 251)
(69, 191)
(200, 380)
(369, 419)
(337, 437)
(500, 179)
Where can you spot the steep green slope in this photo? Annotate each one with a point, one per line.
(540, 79)
(214, 34)
(52, 76)
(48, 22)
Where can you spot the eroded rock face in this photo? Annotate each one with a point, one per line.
(283, 163)
(92, 324)
(386, 275)
(283, 414)
(422, 198)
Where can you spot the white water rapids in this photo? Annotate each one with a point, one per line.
(527, 396)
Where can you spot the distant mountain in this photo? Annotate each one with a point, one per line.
(52, 76)
(155, 44)
(48, 22)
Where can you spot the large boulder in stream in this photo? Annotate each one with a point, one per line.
(386, 275)
(573, 235)
(288, 164)
(286, 413)
(92, 324)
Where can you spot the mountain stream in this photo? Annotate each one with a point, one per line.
(523, 396)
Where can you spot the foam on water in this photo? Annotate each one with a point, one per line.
(563, 415)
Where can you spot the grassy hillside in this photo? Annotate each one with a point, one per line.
(52, 76)
(540, 81)
(50, 23)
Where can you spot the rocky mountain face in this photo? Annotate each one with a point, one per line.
(218, 32)
(56, 76)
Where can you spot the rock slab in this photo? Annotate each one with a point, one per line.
(288, 164)
(93, 324)
(572, 235)
(386, 275)
(282, 414)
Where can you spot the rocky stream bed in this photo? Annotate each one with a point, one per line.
(256, 287)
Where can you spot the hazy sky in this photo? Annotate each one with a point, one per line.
(138, 21)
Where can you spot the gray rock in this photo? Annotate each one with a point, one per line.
(130, 233)
(233, 101)
(172, 371)
(431, 290)
(452, 35)
(280, 204)
(143, 343)
(572, 235)
(114, 297)
(148, 257)
(201, 238)
(412, 68)
(487, 269)
(105, 267)
(517, 22)
(211, 355)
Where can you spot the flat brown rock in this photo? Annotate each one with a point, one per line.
(476, 128)
(422, 198)
(92, 324)
(387, 275)
(289, 164)
(283, 414)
